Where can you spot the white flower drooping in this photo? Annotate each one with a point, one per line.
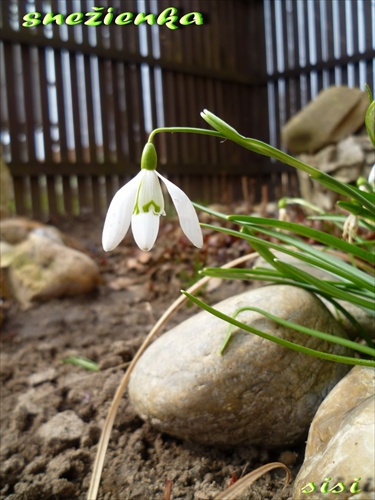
(141, 203)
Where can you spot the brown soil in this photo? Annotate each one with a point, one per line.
(107, 327)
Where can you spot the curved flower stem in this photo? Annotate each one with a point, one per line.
(188, 130)
(224, 131)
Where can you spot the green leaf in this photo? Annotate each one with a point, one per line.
(307, 232)
(265, 149)
(333, 291)
(277, 340)
(307, 254)
(309, 331)
(83, 362)
(356, 209)
(319, 258)
(370, 122)
(208, 210)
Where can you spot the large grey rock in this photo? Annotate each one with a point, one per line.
(257, 392)
(341, 442)
(335, 113)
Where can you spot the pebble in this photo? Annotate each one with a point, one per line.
(64, 427)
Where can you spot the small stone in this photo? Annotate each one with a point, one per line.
(257, 392)
(28, 405)
(341, 439)
(41, 377)
(65, 427)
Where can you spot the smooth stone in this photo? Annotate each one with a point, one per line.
(341, 442)
(257, 392)
(41, 269)
(334, 114)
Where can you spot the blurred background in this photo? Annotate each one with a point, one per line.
(78, 102)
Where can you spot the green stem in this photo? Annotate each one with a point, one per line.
(189, 130)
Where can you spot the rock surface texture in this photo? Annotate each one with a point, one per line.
(341, 441)
(41, 268)
(345, 161)
(335, 113)
(257, 392)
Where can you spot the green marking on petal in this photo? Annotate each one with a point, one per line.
(147, 207)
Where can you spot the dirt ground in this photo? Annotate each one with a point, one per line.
(107, 327)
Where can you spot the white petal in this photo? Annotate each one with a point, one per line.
(119, 214)
(150, 196)
(186, 213)
(145, 227)
(371, 177)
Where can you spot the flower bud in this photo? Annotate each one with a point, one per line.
(220, 125)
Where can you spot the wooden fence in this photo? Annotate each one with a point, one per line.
(311, 45)
(78, 102)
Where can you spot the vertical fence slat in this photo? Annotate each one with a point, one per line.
(52, 195)
(19, 194)
(76, 155)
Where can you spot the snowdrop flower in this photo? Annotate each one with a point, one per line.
(140, 203)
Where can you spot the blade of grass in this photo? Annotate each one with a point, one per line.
(323, 285)
(285, 343)
(308, 254)
(355, 346)
(251, 274)
(324, 260)
(308, 232)
(323, 178)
